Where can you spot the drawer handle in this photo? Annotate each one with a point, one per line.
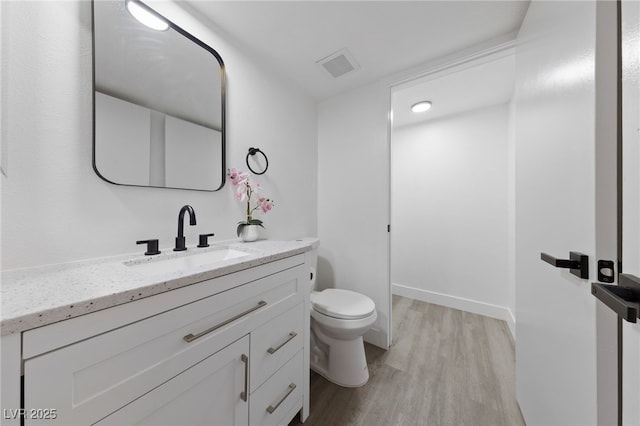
(243, 394)
(277, 348)
(190, 337)
(271, 408)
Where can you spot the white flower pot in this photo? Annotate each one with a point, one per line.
(249, 233)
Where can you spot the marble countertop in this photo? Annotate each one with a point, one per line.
(34, 297)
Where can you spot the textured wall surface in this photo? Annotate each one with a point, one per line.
(55, 209)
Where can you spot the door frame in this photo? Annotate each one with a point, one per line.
(449, 65)
(608, 192)
(629, 333)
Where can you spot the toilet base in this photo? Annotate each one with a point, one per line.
(345, 364)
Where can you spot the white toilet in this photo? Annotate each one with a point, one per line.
(339, 319)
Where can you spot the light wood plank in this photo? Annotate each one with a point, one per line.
(445, 367)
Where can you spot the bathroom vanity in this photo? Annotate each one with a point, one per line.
(160, 339)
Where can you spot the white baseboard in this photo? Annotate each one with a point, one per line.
(467, 305)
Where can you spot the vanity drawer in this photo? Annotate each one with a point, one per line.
(279, 396)
(88, 380)
(274, 343)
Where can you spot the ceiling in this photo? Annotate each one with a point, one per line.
(180, 78)
(465, 89)
(384, 37)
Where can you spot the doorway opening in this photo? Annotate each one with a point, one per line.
(452, 187)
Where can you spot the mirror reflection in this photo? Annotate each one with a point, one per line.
(159, 104)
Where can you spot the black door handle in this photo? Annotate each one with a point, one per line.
(624, 298)
(577, 262)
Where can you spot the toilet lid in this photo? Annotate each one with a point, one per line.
(343, 304)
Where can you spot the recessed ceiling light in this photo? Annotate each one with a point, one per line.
(146, 17)
(421, 106)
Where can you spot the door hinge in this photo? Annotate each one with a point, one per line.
(388, 228)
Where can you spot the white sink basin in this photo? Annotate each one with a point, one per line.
(186, 261)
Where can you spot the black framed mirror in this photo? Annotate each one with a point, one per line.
(159, 103)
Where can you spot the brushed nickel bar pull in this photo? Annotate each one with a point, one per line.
(190, 337)
(245, 393)
(277, 348)
(271, 408)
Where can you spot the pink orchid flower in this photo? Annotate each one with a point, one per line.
(265, 204)
(244, 189)
(237, 177)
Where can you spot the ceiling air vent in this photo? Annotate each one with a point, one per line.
(339, 63)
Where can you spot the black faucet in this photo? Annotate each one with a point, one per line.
(180, 240)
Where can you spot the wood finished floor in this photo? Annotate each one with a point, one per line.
(445, 367)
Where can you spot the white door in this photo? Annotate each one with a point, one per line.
(559, 189)
(631, 201)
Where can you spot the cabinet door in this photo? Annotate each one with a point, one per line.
(214, 391)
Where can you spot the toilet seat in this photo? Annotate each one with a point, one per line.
(342, 304)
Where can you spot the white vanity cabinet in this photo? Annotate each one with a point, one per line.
(232, 350)
(276, 361)
(209, 393)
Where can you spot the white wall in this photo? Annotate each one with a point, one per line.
(353, 183)
(353, 203)
(55, 208)
(511, 216)
(449, 211)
